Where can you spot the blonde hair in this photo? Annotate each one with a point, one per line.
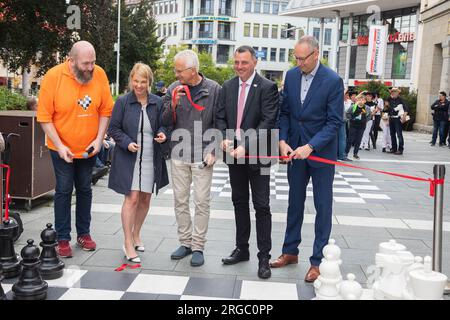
(142, 70)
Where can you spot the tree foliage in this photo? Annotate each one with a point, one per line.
(208, 68)
(32, 32)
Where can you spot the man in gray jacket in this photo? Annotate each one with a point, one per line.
(189, 110)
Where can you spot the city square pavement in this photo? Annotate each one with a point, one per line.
(369, 208)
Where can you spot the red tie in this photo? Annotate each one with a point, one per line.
(240, 111)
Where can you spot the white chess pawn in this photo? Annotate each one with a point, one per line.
(350, 289)
(326, 285)
(332, 250)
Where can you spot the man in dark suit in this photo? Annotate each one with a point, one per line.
(248, 101)
(310, 117)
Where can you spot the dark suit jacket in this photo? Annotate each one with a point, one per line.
(316, 121)
(260, 111)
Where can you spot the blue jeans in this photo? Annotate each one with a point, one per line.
(342, 140)
(67, 174)
(439, 125)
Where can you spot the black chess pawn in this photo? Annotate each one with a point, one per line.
(51, 266)
(30, 285)
(9, 229)
(2, 293)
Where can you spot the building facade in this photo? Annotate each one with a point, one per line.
(220, 26)
(434, 69)
(401, 48)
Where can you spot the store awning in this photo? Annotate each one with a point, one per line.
(328, 8)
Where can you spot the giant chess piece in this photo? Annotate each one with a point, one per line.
(51, 266)
(2, 293)
(327, 284)
(9, 229)
(30, 285)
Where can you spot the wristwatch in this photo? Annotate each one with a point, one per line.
(309, 145)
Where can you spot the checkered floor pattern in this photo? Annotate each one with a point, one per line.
(79, 284)
(348, 187)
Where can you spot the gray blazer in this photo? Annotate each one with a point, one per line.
(123, 128)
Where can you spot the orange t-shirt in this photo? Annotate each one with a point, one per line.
(74, 108)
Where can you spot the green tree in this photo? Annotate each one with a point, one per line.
(375, 86)
(138, 40)
(207, 67)
(32, 32)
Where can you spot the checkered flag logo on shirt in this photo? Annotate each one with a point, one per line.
(85, 103)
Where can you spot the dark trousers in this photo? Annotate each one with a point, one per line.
(395, 126)
(354, 139)
(439, 126)
(375, 129)
(241, 176)
(67, 175)
(299, 173)
(342, 142)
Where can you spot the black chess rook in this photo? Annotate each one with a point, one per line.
(51, 266)
(30, 285)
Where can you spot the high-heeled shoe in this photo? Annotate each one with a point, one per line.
(136, 259)
(139, 248)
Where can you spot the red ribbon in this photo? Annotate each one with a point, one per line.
(433, 182)
(188, 95)
(129, 266)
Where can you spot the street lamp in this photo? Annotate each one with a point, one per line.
(118, 47)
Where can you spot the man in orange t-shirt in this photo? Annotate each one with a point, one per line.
(74, 109)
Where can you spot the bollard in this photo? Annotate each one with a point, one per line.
(439, 173)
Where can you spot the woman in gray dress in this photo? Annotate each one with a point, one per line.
(137, 164)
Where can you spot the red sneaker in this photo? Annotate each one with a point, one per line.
(86, 243)
(64, 250)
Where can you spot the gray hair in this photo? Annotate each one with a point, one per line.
(311, 41)
(190, 58)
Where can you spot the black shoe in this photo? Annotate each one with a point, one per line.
(383, 150)
(355, 156)
(442, 145)
(392, 151)
(432, 144)
(180, 253)
(264, 269)
(237, 256)
(398, 152)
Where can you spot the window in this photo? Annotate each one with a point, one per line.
(274, 31)
(266, 7)
(248, 6)
(256, 30)
(273, 54)
(400, 59)
(264, 54)
(275, 7)
(176, 6)
(283, 6)
(207, 7)
(325, 54)
(283, 34)
(189, 8)
(171, 6)
(225, 7)
(169, 25)
(327, 37)
(175, 27)
(257, 6)
(246, 29)
(222, 53)
(205, 30)
(282, 57)
(164, 30)
(166, 7)
(316, 33)
(224, 31)
(265, 31)
(159, 30)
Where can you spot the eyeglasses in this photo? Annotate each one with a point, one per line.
(180, 71)
(303, 59)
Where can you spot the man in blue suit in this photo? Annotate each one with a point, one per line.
(310, 117)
